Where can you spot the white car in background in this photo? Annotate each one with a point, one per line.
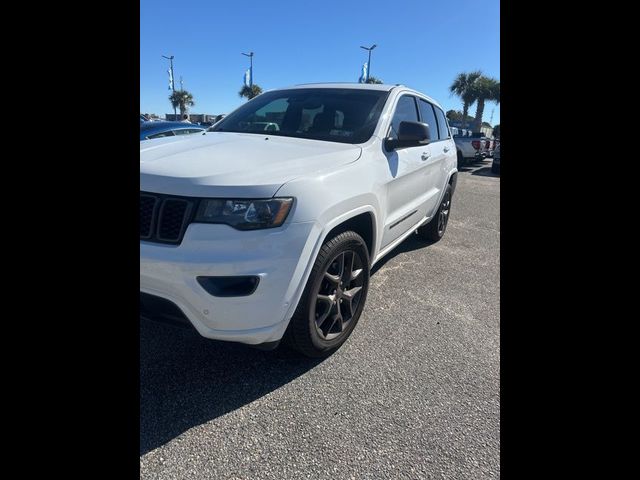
(254, 236)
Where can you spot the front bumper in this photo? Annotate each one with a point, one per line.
(281, 257)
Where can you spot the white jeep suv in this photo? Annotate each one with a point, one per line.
(258, 236)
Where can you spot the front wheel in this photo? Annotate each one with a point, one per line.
(434, 230)
(333, 298)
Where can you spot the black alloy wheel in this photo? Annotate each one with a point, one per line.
(338, 295)
(443, 213)
(333, 298)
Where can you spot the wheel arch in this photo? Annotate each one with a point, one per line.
(453, 180)
(361, 220)
(358, 219)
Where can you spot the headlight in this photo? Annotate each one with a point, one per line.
(244, 214)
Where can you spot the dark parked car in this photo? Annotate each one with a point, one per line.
(150, 130)
(495, 166)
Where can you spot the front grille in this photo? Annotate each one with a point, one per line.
(164, 218)
(148, 206)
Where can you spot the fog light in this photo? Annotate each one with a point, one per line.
(229, 286)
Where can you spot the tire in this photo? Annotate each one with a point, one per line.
(460, 160)
(332, 302)
(434, 230)
(495, 168)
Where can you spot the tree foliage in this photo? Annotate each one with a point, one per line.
(462, 86)
(484, 89)
(250, 92)
(181, 99)
(373, 79)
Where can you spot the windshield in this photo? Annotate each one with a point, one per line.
(333, 114)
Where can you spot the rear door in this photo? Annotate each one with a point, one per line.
(447, 146)
(434, 157)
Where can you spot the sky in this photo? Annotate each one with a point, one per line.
(421, 44)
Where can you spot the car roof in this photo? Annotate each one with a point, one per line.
(357, 86)
(362, 86)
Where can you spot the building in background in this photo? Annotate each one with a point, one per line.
(152, 117)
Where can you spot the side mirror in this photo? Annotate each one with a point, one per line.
(410, 134)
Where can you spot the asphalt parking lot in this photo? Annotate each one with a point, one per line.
(414, 393)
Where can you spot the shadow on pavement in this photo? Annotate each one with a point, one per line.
(187, 380)
(472, 165)
(413, 242)
(485, 172)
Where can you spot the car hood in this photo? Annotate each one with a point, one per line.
(225, 164)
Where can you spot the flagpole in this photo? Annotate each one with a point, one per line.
(250, 55)
(369, 61)
(173, 83)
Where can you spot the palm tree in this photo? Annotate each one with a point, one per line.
(373, 79)
(484, 89)
(453, 115)
(250, 92)
(461, 87)
(181, 99)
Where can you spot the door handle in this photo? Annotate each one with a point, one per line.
(446, 149)
(425, 155)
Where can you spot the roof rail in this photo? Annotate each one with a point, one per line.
(321, 83)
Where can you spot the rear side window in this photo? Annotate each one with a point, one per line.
(429, 117)
(443, 128)
(406, 111)
(161, 134)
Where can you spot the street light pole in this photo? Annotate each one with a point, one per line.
(369, 61)
(250, 55)
(173, 81)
